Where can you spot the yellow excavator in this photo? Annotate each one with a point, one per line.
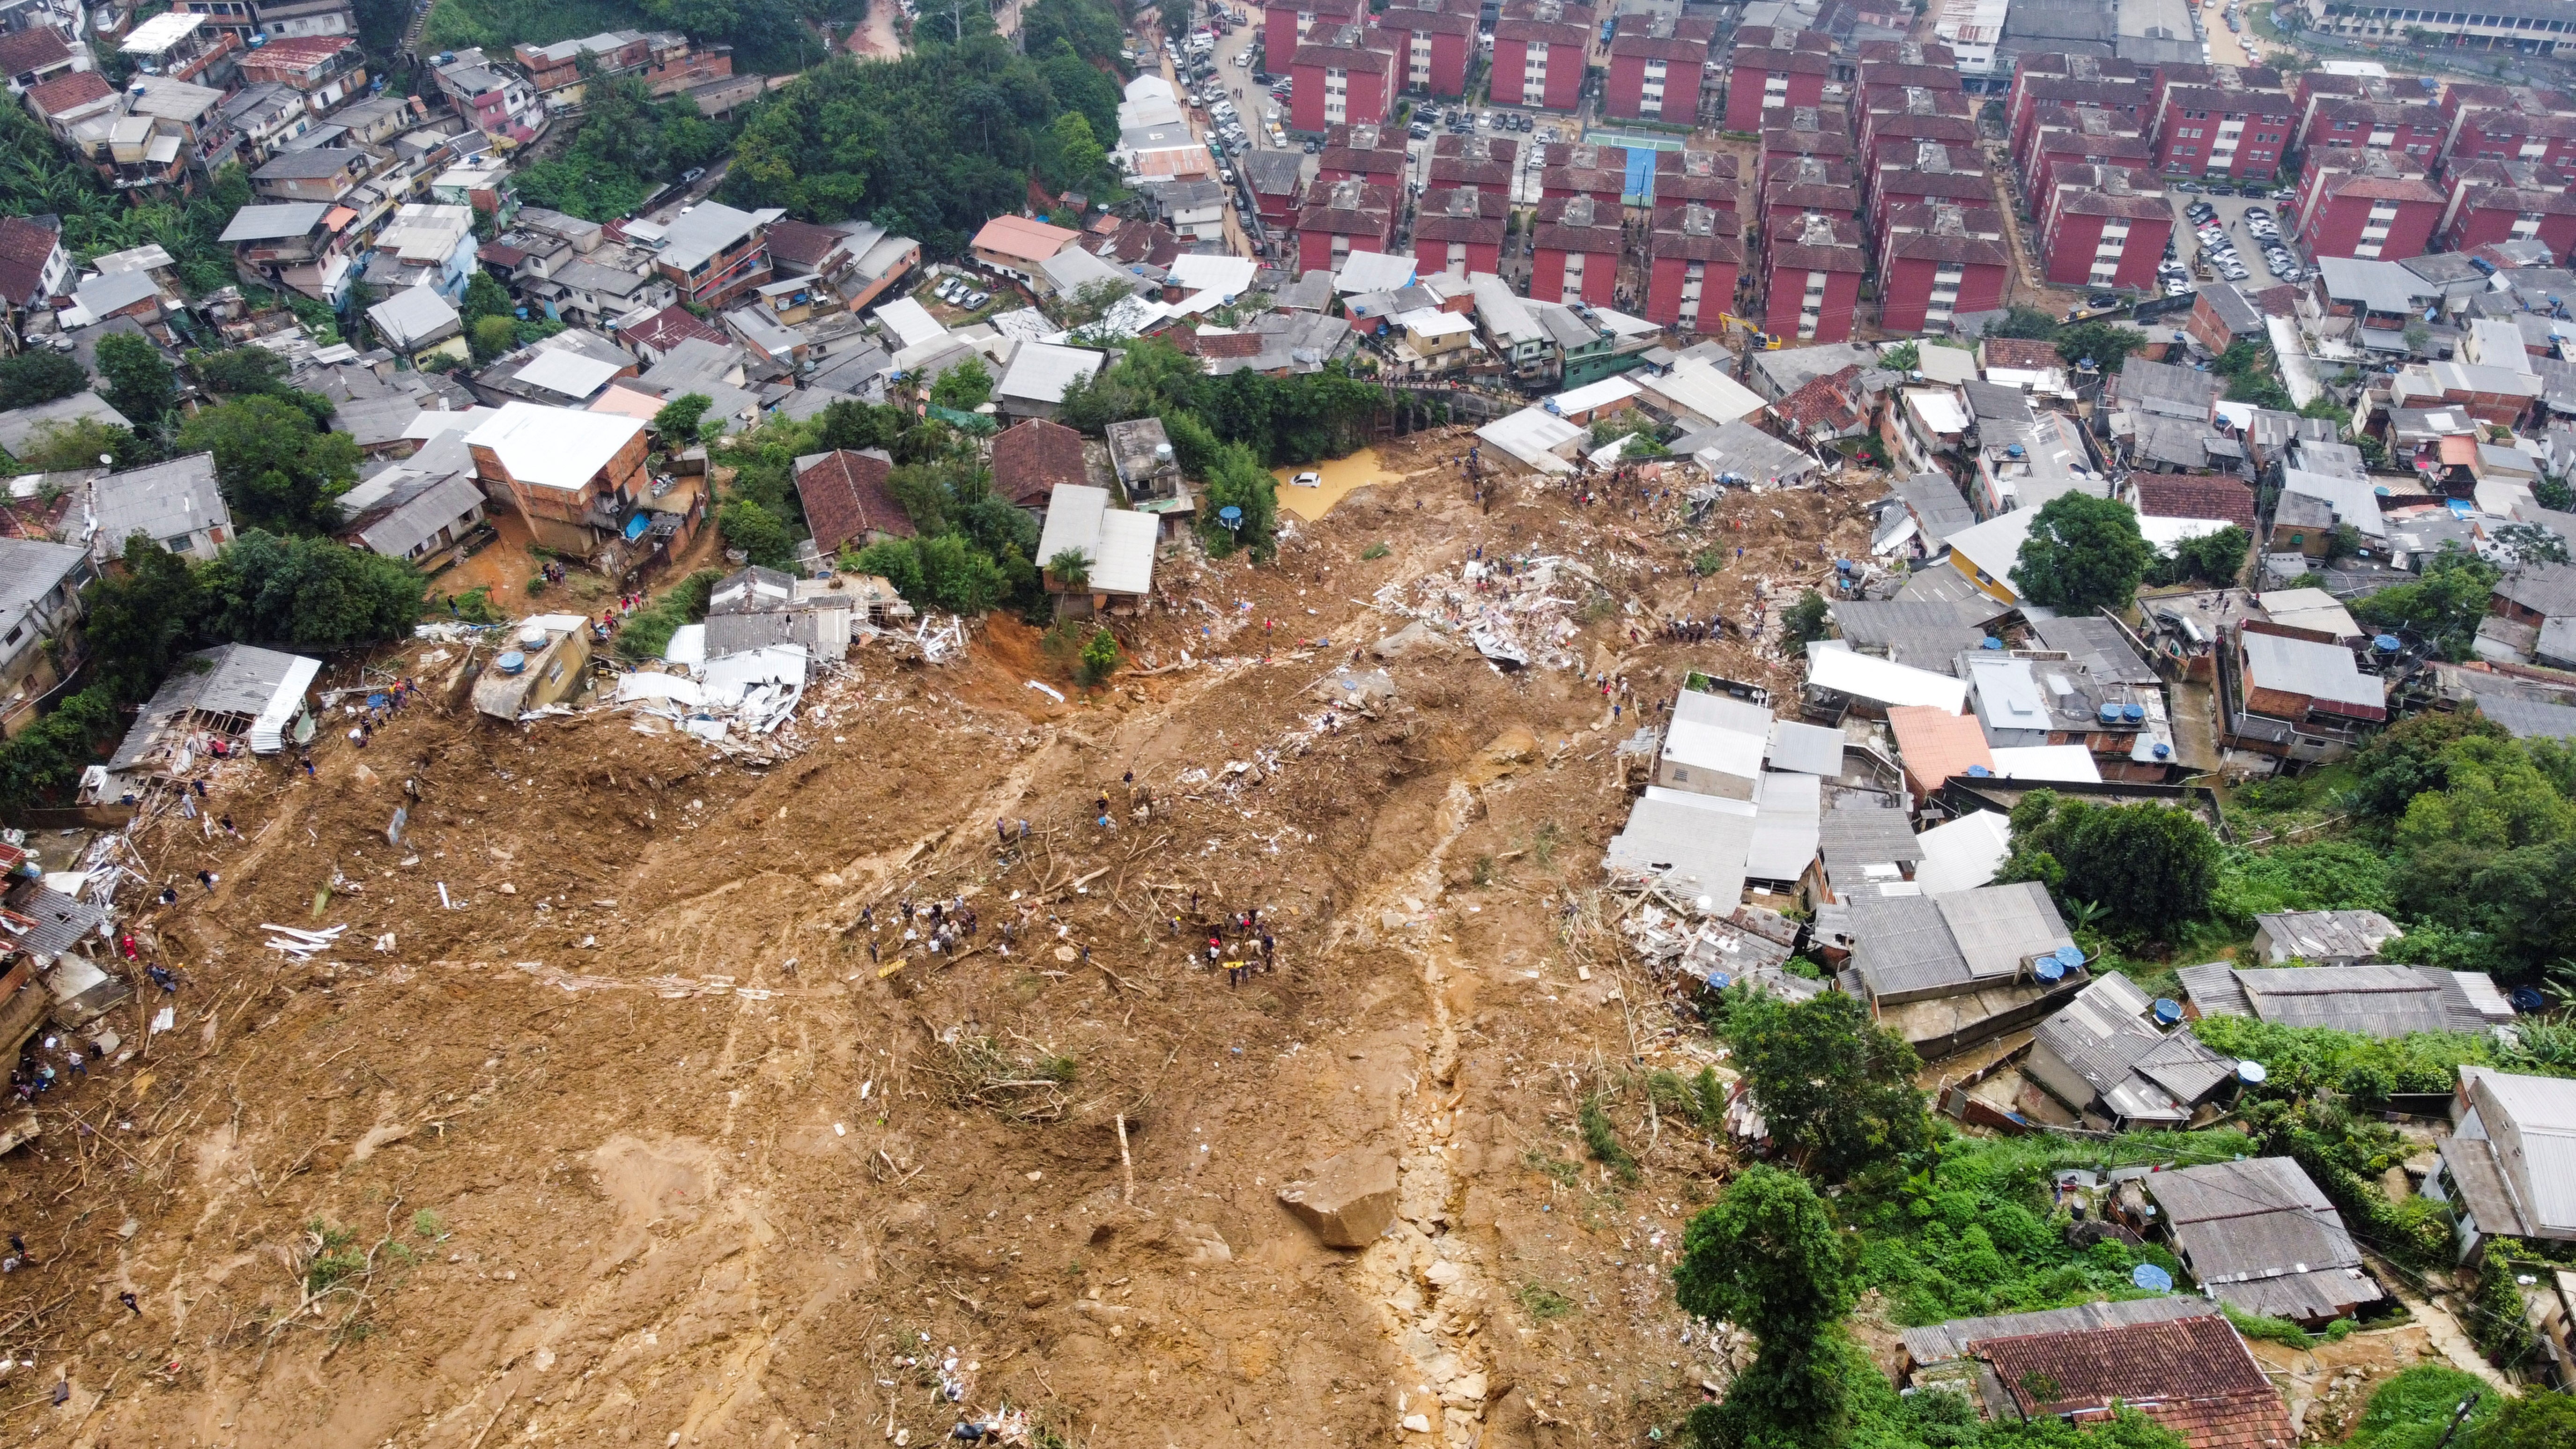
(1762, 341)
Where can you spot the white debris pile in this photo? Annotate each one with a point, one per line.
(302, 945)
(1517, 612)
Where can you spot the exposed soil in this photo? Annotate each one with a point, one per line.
(656, 1129)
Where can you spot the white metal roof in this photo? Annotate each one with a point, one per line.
(1373, 272)
(1881, 681)
(1963, 854)
(1602, 394)
(1533, 436)
(2066, 763)
(1995, 545)
(413, 314)
(1809, 749)
(1714, 748)
(572, 374)
(1224, 275)
(1041, 371)
(554, 447)
(161, 32)
(909, 322)
(1118, 543)
(1694, 385)
(1787, 825)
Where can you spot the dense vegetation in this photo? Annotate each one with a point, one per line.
(628, 145)
(767, 39)
(939, 142)
(2139, 870)
(37, 177)
(2083, 553)
(295, 593)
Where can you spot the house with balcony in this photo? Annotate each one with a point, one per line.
(328, 69)
(297, 246)
(424, 245)
(574, 476)
(40, 612)
(496, 100)
(711, 253)
(182, 47)
(324, 173)
(31, 57)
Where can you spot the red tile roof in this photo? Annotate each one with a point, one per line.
(1030, 458)
(2194, 495)
(2192, 1375)
(69, 92)
(802, 243)
(1830, 403)
(846, 499)
(2021, 354)
(669, 328)
(25, 247)
(32, 49)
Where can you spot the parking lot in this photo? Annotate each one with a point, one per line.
(2231, 215)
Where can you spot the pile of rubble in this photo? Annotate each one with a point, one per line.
(1516, 612)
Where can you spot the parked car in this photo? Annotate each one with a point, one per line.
(2102, 299)
(976, 301)
(2186, 188)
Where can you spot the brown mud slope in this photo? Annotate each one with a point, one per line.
(632, 1139)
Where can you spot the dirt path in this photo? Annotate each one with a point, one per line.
(876, 39)
(627, 1112)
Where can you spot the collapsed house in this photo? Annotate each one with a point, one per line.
(214, 701)
(2120, 1061)
(1949, 972)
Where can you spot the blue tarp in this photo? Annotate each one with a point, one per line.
(635, 526)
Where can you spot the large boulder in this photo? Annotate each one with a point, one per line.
(1348, 1200)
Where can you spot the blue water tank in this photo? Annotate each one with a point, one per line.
(2168, 1011)
(1990, 642)
(2110, 714)
(2386, 644)
(2048, 968)
(2151, 1278)
(1979, 772)
(2252, 1074)
(2070, 957)
(512, 662)
(2528, 998)
(2164, 752)
(1719, 981)
(2133, 712)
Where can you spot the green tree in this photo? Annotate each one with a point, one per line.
(964, 387)
(1837, 1090)
(2529, 543)
(2536, 1420)
(140, 381)
(1099, 656)
(1766, 1256)
(1071, 569)
(490, 337)
(2027, 322)
(45, 761)
(65, 447)
(39, 376)
(279, 470)
(677, 422)
(1079, 155)
(2083, 553)
(2148, 868)
(2106, 345)
(484, 297)
(310, 593)
(2211, 558)
(239, 371)
(2443, 606)
(142, 619)
(1805, 622)
(757, 532)
(1237, 480)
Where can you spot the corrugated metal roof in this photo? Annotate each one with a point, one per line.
(2000, 927)
(1784, 827)
(1697, 843)
(2258, 1233)
(1812, 749)
(1866, 847)
(2212, 988)
(1943, 1342)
